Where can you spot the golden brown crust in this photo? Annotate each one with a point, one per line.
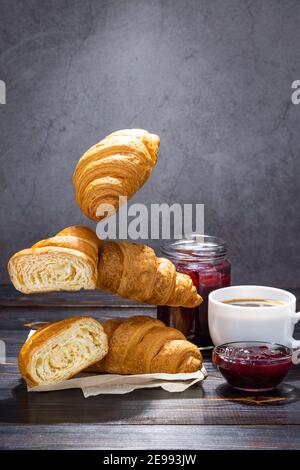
(67, 261)
(80, 231)
(124, 340)
(143, 345)
(110, 266)
(150, 346)
(151, 141)
(109, 326)
(139, 271)
(164, 285)
(118, 165)
(133, 271)
(43, 336)
(177, 356)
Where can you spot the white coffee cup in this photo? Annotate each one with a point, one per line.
(228, 322)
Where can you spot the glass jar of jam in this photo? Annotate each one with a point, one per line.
(204, 259)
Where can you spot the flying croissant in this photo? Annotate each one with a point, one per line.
(76, 259)
(117, 166)
(133, 271)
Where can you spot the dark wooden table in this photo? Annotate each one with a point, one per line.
(206, 416)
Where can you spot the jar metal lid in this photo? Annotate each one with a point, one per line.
(195, 247)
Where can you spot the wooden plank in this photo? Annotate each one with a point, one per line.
(210, 403)
(10, 297)
(149, 437)
(19, 318)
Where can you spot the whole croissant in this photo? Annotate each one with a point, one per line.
(133, 271)
(143, 345)
(118, 165)
(67, 261)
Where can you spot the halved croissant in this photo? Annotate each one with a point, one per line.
(143, 345)
(62, 349)
(118, 165)
(133, 271)
(67, 261)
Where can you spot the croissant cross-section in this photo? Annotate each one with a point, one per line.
(67, 261)
(60, 350)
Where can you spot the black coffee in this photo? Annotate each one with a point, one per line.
(254, 302)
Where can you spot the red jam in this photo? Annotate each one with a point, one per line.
(253, 366)
(205, 262)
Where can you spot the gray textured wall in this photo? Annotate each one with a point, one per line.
(212, 77)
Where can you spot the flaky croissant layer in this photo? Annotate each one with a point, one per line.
(133, 271)
(117, 166)
(61, 349)
(67, 261)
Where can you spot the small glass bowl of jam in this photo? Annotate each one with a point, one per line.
(253, 366)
